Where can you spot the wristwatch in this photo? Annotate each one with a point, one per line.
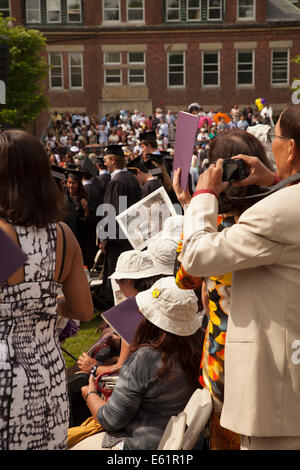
(93, 370)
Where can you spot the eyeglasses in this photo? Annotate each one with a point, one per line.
(271, 136)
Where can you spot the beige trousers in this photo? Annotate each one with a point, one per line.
(270, 443)
(93, 442)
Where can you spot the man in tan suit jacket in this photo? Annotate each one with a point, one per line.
(262, 352)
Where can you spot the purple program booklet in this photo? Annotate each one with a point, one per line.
(11, 257)
(186, 131)
(124, 318)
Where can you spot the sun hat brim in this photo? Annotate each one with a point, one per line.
(150, 310)
(135, 275)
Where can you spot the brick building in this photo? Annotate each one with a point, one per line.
(112, 54)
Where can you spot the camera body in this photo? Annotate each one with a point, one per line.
(234, 170)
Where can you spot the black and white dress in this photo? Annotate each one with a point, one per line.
(34, 410)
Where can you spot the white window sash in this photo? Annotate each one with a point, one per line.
(209, 8)
(130, 9)
(77, 11)
(49, 11)
(190, 9)
(170, 9)
(28, 10)
(74, 69)
(6, 10)
(170, 72)
(204, 73)
(104, 10)
(119, 75)
(282, 62)
(252, 70)
(54, 74)
(246, 18)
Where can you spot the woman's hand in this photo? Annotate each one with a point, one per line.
(91, 387)
(86, 362)
(211, 179)
(183, 196)
(259, 174)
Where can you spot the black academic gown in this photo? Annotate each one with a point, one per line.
(150, 186)
(122, 184)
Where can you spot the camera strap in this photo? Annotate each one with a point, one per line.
(273, 189)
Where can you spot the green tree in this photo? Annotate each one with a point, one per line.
(25, 92)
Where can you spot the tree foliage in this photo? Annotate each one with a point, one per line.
(25, 93)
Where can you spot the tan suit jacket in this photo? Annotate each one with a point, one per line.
(262, 351)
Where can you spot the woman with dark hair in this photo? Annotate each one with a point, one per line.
(80, 216)
(159, 376)
(34, 399)
(216, 290)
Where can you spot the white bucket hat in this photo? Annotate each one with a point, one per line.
(134, 264)
(173, 227)
(163, 255)
(170, 308)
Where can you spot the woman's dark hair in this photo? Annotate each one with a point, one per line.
(184, 349)
(29, 195)
(229, 144)
(77, 176)
(146, 282)
(290, 123)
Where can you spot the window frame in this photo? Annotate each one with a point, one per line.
(131, 66)
(245, 85)
(113, 84)
(8, 10)
(143, 12)
(184, 69)
(105, 9)
(79, 54)
(47, 13)
(31, 9)
(106, 62)
(67, 12)
(54, 88)
(246, 18)
(210, 8)
(188, 8)
(179, 11)
(278, 84)
(218, 71)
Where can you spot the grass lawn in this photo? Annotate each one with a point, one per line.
(86, 336)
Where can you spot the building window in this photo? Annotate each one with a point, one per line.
(173, 10)
(210, 68)
(112, 58)
(56, 70)
(5, 8)
(135, 10)
(33, 11)
(74, 11)
(111, 10)
(176, 69)
(280, 67)
(245, 66)
(193, 10)
(246, 10)
(53, 11)
(75, 62)
(112, 76)
(136, 76)
(214, 10)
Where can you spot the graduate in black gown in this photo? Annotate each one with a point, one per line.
(147, 181)
(122, 184)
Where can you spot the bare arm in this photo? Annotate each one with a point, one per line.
(76, 301)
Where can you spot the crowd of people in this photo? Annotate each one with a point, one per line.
(216, 291)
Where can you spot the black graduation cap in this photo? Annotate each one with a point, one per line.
(149, 136)
(132, 167)
(114, 149)
(89, 167)
(58, 172)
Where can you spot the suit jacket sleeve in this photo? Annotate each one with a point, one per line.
(254, 241)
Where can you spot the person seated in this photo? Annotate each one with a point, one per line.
(159, 376)
(134, 273)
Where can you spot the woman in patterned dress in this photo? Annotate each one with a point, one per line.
(34, 411)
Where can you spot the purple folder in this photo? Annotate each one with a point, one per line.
(124, 318)
(186, 131)
(11, 257)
